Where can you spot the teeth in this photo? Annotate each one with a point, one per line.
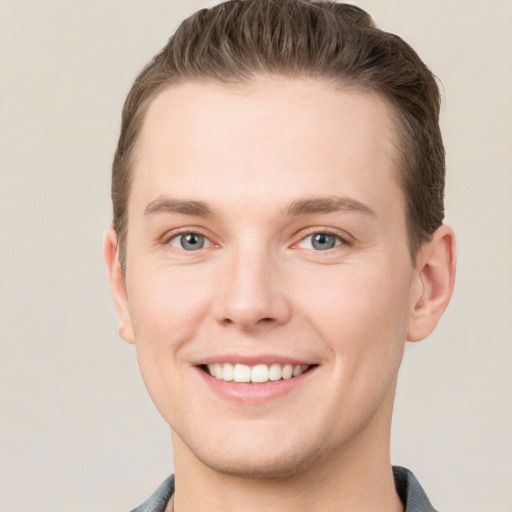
(298, 369)
(217, 371)
(274, 372)
(227, 371)
(287, 371)
(259, 373)
(241, 373)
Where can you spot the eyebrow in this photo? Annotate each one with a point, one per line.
(308, 206)
(329, 204)
(168, 205)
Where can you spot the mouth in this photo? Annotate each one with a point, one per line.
(257, 374)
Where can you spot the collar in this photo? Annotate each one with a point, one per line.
(407, 486)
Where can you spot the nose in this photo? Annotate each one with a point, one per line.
(253, 293)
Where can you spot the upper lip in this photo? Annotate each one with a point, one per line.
(252, 360)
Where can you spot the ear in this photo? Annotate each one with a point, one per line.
(117, 285)
(435, 277)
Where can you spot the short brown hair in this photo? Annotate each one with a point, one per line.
(238, 40)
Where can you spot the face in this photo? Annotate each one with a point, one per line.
(267, 246)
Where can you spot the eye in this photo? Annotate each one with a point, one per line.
(320, 241)
(189, 241)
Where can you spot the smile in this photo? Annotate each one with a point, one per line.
(259, 373)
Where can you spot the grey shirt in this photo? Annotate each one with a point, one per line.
(407, 487)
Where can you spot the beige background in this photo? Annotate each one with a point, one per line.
(78, 432)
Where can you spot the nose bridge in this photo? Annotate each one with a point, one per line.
(252, 294)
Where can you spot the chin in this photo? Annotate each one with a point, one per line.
(272, 461)
(260, 468)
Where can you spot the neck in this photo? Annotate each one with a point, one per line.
(358, 478)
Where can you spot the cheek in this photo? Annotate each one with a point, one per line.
(167, 306)
(364, 325)
(361, 313)
(167, 309)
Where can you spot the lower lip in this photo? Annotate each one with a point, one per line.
(253, 392)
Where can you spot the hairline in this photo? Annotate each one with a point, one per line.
(398, 125)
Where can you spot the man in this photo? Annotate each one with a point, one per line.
(277, 238)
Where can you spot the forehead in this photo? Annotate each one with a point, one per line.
(271, 135)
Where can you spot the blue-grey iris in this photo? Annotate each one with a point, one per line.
(192, 241)
(323, 241)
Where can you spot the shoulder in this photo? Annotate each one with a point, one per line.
(408, 488)
(157, 502)
(410, 491)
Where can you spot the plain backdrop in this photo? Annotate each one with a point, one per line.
(78, 431)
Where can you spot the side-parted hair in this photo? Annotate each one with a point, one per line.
(239, 40)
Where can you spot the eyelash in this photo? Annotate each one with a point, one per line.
(343, 240)
(166, 240)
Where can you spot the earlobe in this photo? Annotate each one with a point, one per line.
(117, 285)
(435, 267)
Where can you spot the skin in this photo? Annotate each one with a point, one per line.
(258, 157)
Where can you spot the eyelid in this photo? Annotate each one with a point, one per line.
(190, 230)
(337, 241)
(343, 237)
